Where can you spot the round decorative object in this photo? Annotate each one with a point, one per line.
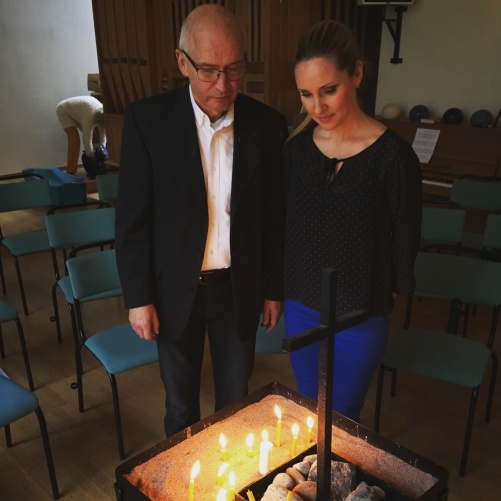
(453, 116)
(391, 111)
(419, 112)
(481, 118)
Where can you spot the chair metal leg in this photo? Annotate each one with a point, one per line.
(48, 453)
(8, 436)
(79, 372)
(469, 428)
(2, 277)
(492, 385)
(466, 314)
(25, 354)
(393, 381)
(379, 396)
(494, 324)
(408, 311)
(21, 285)
(2, 347)
(118, 420)
(55, 318)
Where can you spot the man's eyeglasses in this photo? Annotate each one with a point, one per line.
(211, 74)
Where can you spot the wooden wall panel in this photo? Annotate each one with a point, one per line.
(136, 42)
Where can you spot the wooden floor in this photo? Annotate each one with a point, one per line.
(426, 417)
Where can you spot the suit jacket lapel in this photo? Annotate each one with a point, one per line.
(246, 154)
(183, 134)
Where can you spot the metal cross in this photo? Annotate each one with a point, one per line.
(325, 334)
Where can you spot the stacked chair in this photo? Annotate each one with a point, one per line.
(476, 193)
(16, 194)
(9, 314)
(119, 349)
(16, 402)
(444, 354)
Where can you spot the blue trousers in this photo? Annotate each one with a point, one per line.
(357, 354)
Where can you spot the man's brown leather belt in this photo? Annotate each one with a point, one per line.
(214, 276)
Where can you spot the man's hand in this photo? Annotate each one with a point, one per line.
(144, 321)
(271, 313)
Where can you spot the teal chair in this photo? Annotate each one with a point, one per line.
(70, 229)
(480, 194)
(270, 342)
(442, 228)
(491, 242)
(21, 195)
(107, 188)
(118, 349)
(460, 280)
(9, 314)
(444, 354)
(446, 357)
(15, 403)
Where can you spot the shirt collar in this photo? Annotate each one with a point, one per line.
(203, 120)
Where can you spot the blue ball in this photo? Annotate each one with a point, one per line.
(418, 112)
(481, 118)
(453, 116)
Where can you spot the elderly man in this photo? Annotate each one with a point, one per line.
(200, 218)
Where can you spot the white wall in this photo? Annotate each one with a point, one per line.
(47, 49)
(451, 52)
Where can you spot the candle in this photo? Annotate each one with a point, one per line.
(278, 413)
(295, 431)
(264, 454)
(309, 423)
(231, 493)
(222, 441)
(195, 470)
(222, 495)
(250, 496)
(289, 496)
(250, 444)
(220, 473)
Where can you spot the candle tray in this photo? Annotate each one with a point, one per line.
(438, 491)
(125, 491)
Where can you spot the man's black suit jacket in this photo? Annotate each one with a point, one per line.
(162, 214)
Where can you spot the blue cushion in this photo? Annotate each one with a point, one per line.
(31, 242)
(65, 286)
(444, 356)
(16, 401)
(120, 349)
(7, 312)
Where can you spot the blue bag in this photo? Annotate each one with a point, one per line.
(65, 188)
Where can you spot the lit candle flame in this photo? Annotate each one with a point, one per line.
(222, 441)
(264, 434)
(278, 412)
(309, 423)
(249, 441)
(195, 470)
(220, 473)
(295, 432)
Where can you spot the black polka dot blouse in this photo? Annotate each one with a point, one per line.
(364, 222)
